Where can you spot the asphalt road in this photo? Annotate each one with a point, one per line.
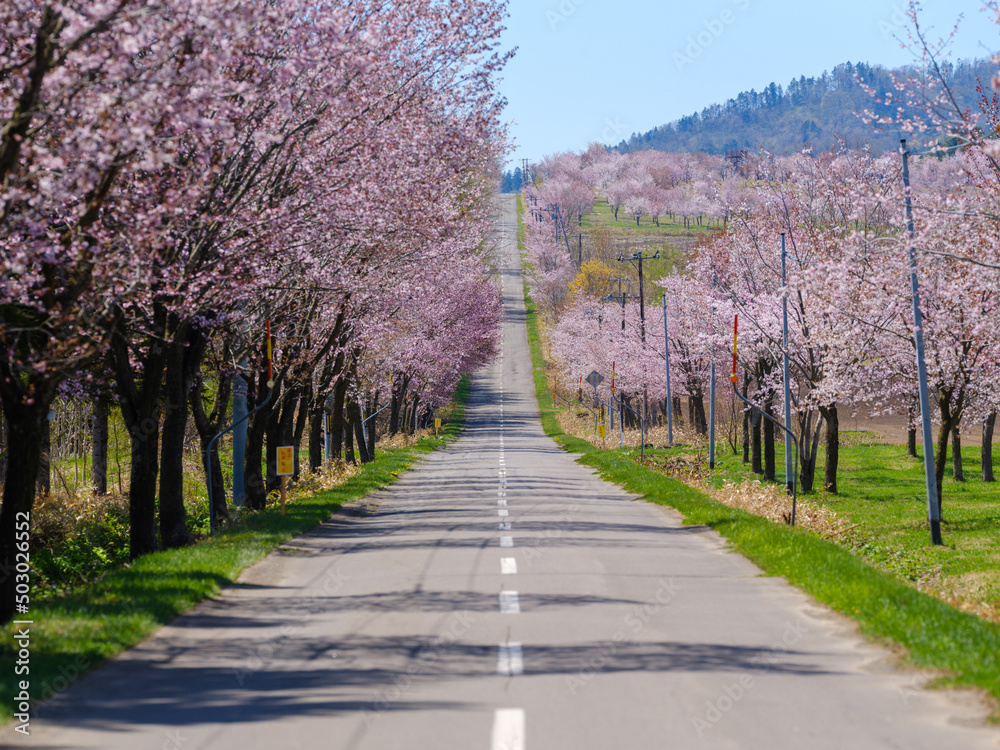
(501, 596)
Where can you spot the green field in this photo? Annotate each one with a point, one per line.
(603, 217)
(882, 494)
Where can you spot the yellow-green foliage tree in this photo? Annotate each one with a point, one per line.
(594, 279)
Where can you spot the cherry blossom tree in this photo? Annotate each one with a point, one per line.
(217, 157)
(93, 97)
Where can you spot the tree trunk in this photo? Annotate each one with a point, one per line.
(143, 426)
(956, 453)
(4, 443)
(25, 426)
(756, 454)
(272, 439)
(349, 437)
(253, 475)
(832, 419)
(911, 433)
(301, 420)
(948, 421)
(808, 449)
(359, 432)
(371, 427)
(209, 424)
(280, 432)
(99, 438)
(413, 414)
(317, 417)
(394, 415)
(337, 415)
(141, 411)
(746, 424)
(43, 483)
(213, 473)
(700, 421)
(173, 523)
(987, 450)
(398, 404)
(769, 470)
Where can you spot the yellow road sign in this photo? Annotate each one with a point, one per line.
(286, 460)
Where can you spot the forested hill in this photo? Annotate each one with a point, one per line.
(807, 110)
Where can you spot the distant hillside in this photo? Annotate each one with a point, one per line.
(808, 110)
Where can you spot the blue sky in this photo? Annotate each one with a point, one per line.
(600, 70)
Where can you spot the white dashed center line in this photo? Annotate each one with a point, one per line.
(508, 729)
(508, 566)
(509, 603)
(510, 660)
(506, 541)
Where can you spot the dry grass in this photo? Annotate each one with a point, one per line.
(403, 440)
(773, 502)
(579, 422)
(762, 499)
(970, 592)
(331, 474)
(55, 518)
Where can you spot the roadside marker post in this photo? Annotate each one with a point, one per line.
(595, 379)
(286, 467)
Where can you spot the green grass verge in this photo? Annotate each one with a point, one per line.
(881, 491)
(935, 635)
(72, 634)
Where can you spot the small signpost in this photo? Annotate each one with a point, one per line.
(595, 379)
(286, 467)
(437, 425)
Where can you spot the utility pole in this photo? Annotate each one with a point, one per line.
(933, 501)
(553, 209)
(638, 258)
(621, 404)
(620, 298)
(711, 389)
(789, 468)
(666, 356)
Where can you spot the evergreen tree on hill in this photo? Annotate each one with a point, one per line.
(820, 111)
